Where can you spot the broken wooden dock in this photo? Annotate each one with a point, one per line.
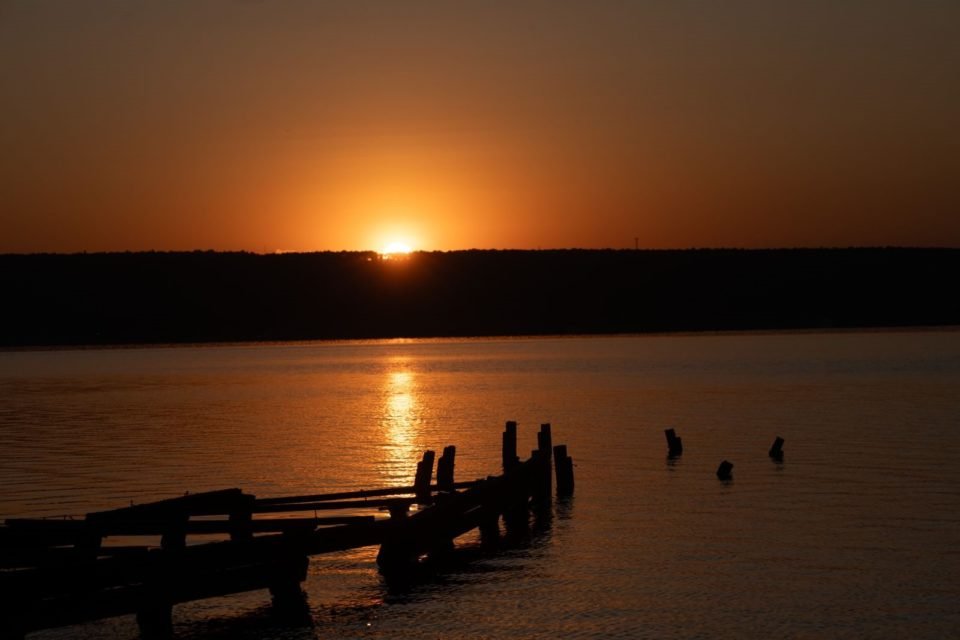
(58, 572)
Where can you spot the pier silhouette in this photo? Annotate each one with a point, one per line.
(60, 572)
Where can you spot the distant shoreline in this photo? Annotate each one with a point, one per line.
(133, 300)
(488, 338)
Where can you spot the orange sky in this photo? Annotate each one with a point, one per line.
(309, 126)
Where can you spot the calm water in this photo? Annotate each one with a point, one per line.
(855, 534)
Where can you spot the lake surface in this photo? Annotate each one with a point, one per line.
(855, 534)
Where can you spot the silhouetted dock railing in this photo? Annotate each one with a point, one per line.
(57, 572)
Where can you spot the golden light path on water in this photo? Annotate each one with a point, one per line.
(400, 422)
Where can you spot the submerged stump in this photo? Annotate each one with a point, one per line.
(725, 470)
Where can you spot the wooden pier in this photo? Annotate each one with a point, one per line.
(58, 572)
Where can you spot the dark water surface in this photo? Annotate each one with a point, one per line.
(856, 534)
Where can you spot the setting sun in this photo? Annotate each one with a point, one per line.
(396, 250)
(397, 247)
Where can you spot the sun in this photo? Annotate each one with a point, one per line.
(396, 251)
(396, 247)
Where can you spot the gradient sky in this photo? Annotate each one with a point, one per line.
(296, 125)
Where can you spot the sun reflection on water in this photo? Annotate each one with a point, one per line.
(400, 422)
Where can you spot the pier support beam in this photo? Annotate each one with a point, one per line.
(510, 459)
(395, 555)
(516, 518)
(174, 535)
(543, 454)
(155, 621)
(288, 597)
(516, 512)
(490, 531)
(240, 519)
(564, 469)
(155, 616)
(421, 480)
(440, 548)
(445, 467)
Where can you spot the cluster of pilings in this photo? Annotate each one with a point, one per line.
(725, 470)
(547, 455)
(524, 487)
(544, 460)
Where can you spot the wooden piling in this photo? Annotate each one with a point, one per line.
(674, 443)
(545, 440)
(89, 544)
(441, 547)
(288, 571)
(545, 456)
(516, 511)
(516, 520)
(155, 621)
(541, 488)
(510, 459)
(776, 451)
(445, 466)
(725, 470)
(564, 470)
(421, 481)
(241, 521)
(175, 533)
(394, 554)
(490, 530)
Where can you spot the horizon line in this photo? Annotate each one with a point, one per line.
(280, 252)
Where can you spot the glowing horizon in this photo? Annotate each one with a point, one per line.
(396, 248)
(329, 127)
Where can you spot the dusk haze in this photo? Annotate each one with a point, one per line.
(313, 126)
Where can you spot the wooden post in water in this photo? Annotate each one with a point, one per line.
(674, 443)
(88, 545)
(490, 527)
(155, 616)
(241, 520)
(564, 470)
(776, 451)
(421, 481)
(545, 455)
(517, 515)
(490, 532)
(155, 620)
(516, 518)
(394, 555)
(539, 490)
(175, 533)
(510, 459)
(725, 471)
(445, 467)
(288, 571)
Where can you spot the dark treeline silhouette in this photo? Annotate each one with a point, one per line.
(154, 297)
